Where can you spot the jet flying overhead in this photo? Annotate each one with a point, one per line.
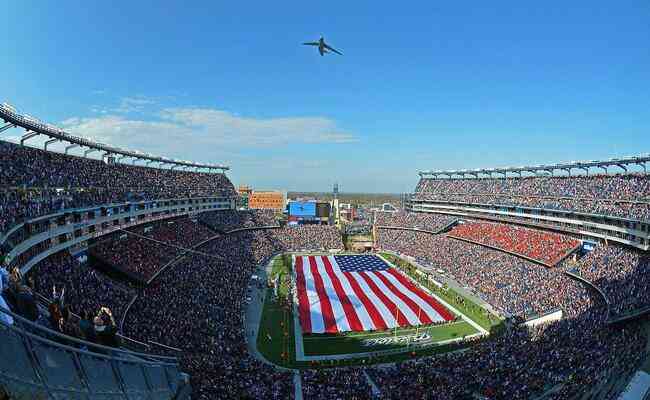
(323, 47)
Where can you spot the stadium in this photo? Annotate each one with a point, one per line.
(170, 233)
(527, 285)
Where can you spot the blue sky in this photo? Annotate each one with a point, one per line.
(421, 85)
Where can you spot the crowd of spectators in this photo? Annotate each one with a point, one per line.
(34, 182)
(546, 247)
(139, 257)
(86, 289)
(510, 283)
(422, 221)
(198, 306)
(74, 296)
(227, 220)
(622, 273)
(339, 383)
(182, 232)
(625, 196)
(572, 357)
(145, 249)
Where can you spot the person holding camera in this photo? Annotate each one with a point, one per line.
(106, 328)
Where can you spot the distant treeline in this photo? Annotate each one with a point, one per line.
(353, 198)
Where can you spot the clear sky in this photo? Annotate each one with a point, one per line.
(421, 85)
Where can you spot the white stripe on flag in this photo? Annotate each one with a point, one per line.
(342, 324)
(386, 314)
(426, 307)
(317, 322)
(403, 308)
(359, 308)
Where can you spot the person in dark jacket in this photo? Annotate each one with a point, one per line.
(86, 327)
(26, 303)
(106, 328)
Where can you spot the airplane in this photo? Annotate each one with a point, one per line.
(323, 47)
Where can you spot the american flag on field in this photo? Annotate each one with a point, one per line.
(359, 293)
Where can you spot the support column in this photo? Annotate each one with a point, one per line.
(72, 146)
(8, 126)
(89, 151)
(49, 142)
(27, 136)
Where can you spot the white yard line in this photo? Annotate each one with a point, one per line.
(297, 329)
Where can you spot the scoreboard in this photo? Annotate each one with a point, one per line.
(302, 209)
(323, 210)
(309, 211)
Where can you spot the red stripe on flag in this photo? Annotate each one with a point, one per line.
(392, 307)
(303, 300)
(376, 317)
(325, 305)
(415, 307)
(440, 309)
(350, 313)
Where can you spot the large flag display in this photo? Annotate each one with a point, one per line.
(359, 293)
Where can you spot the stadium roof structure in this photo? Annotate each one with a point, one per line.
(35, 127)
(622, 163)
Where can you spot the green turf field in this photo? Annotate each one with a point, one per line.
(353, 342)
(277, 317)
(278, 325)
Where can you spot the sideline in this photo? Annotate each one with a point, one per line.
(254, 311)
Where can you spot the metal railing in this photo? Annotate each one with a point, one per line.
(39, 363)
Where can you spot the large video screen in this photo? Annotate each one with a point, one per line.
(302, 208)
(323, 210)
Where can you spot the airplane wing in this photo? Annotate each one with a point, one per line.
(333, 49)
(311, 44)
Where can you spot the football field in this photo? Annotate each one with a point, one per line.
(282, 340)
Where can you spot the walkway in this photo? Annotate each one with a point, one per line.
(297, 385)
(254, 312)
(375, 390)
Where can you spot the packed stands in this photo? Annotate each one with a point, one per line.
(512, 284)
(625, 196)
(570, 357)
(85, 289)
(228, 220)
(546, 247)
(622, 273)
(139, 257)
(422, 221)
(348, 383)
(198, 306)
(145, 249)
(34, 182)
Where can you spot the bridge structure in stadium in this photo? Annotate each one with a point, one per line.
(622, 163)
(33, 128)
